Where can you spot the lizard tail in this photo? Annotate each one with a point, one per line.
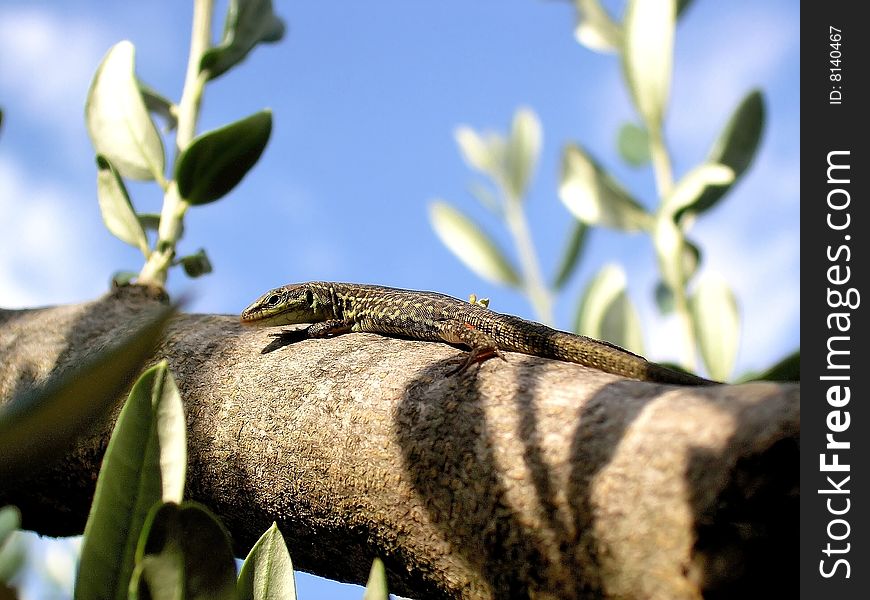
(617, 360)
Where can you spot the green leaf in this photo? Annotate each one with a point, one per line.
(693, 184)
(471, 245)
(594, 197)
(669, 243)
(647, 57)
(691, 259)
(267, 573)
(118, 122)
(484, 155)
(216, 161)
(595, 28)
(196, 265)
(248, 23)
(787, 369)
(116, 209)
(522, 152)
(717, 325)
(571, 255)
(184, 553)
(738, 142)
(633, 144)
(145, 463)
(376, 587)
(149, 221)
(122, 278)
(665, 300)
(736, 147)
(159, 105)
(43, 423)
(10, 521)
(682, 5)
(606, 313)
(11, 545)
(664, 295)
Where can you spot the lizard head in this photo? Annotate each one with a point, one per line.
(286, 305)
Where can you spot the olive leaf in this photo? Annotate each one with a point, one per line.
(664, 295)
(267, 573)
(595, 28)
(116, 209)
(118, 122)
(145, 462)
(735, 148)
(522, 151)
(605, 312)
(482, 153)
(184, 552)
(216, 161)
(572, 253)
(694, 183)
(196, 265)
(716, 320)
(785, 369)
(647, 57)
(12, 546)
(471, 245)
(376, 586)
(248, 23)
(594, 197)
(633, 144)
(669, 243)
(160, 105)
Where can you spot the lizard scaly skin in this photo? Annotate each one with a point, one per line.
(336, 308)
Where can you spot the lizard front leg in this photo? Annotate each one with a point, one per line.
(323, 329)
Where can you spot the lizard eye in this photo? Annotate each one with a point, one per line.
(273, 299)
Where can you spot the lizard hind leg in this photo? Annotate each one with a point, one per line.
(482, 347)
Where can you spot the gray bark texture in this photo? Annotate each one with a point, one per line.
(525, 478)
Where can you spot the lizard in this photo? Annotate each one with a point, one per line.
(332, 309)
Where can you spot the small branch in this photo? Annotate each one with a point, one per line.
(533, 281)
(530, 477)
(664, 177)
(661, 161)
(174, 207)
(194, 79)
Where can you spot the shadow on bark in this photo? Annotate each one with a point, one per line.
(450, 442)
(87, 330)
(746, 534)
(748, 539)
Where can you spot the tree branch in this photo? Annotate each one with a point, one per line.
(526, 477)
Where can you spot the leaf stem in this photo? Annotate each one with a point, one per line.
(663, 170)
(533, 282)
(681, 308)
(195, 79)
(174, 206)
(661, 161)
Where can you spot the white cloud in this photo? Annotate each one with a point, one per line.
(47, 61)
(45, 254)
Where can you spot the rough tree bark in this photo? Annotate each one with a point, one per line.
(526, 478)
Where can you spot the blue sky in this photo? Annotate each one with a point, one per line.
(366, 96)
